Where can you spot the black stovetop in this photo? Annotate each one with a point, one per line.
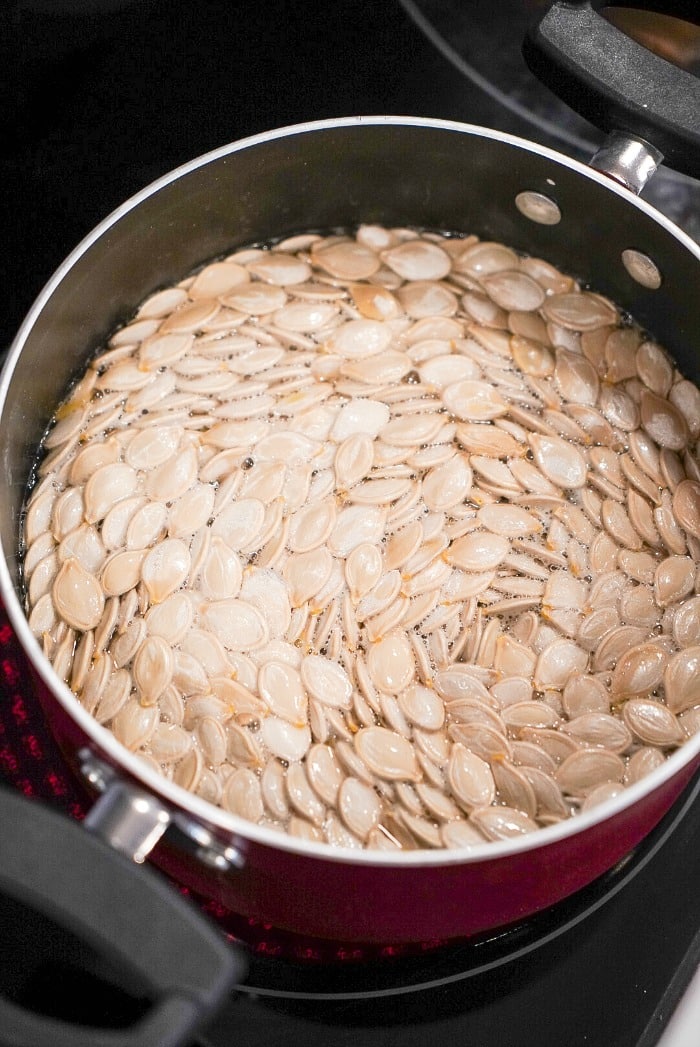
(98, 98)
(606, 969)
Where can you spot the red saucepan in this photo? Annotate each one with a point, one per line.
(329, 175)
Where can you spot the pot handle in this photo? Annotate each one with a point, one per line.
(119, 913)
(616, 83)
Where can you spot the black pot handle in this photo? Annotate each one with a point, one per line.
(616, 83)
(181, 964)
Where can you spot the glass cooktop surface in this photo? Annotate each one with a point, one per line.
(100, 97)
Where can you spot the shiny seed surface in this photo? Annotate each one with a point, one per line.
(385, 539)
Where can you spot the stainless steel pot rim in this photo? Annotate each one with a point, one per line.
(223, 823)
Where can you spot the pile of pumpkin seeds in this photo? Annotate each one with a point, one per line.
(385, 540)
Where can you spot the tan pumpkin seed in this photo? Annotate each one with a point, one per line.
(652, 723)
(109, 484)
(169, 743)
(281, 688)
(601, 794)
(502, 823)
(529, 714)
(460, 833)
(359, 807)
(587, 768)
(387, 754)
(422, 706)
(674, 578)
(641, 763)
(470, 778)
(559, 461)
(302, 797)
(418, 260)
(663, 421)
(682, 680)
(513, 787)
(579, 311)
(686, 623)
(638, 671)
(242, 795)
(686, 506)
(285, 740)
(599, 729)
(212, 739)
(77, 596)
(165, 568)
(557, 662)
(135, 724)
(152, 669)
(472, 401)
